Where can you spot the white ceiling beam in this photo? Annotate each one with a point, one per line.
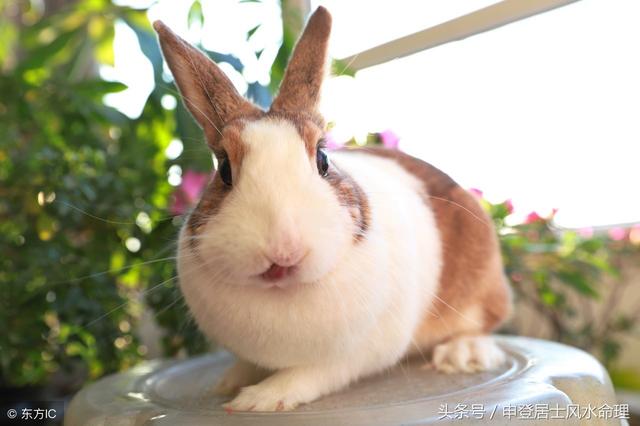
(481, 20)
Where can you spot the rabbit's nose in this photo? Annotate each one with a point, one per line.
(286, 250)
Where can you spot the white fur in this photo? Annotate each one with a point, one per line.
(353, 306)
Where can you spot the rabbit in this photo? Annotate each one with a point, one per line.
(318, 268)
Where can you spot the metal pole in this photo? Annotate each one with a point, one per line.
(482, 20)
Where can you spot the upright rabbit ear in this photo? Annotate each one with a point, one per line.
(300, 88)
(205, 89)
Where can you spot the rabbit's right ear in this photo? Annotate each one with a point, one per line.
(300, 87)
(205, 89)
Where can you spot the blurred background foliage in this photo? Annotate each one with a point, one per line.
(573, 281)
(87, 234)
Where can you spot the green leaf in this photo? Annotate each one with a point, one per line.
(44, 54)
(623, 323)
(549, 298)
(340, 67)
(610, 350)
(540, 277)
(8, 35)
(252, 31)
(104, 47)
(136, 18)
(578, 281)
(591, 245)
(99, 87)
(195, 14)
(289, 38)
(625, 378)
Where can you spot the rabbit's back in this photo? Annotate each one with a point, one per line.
(472, 295)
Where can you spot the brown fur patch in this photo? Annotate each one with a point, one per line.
(231, 148)
(232, 144)
(351, 196)
(472, 270)
(210, 203)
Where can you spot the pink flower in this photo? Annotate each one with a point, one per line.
(532, 217)
(189, 191)
(476, 192)
(516, 277)
(389, 139)
(509, 206)
(178, 206)
(331, 143)
(192, 185)
(585, 232)
(617, 233)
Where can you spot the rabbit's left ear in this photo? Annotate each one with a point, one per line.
(300, 88)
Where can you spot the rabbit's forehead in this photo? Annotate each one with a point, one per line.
(272, 147)
(269, 133)
(276, 137)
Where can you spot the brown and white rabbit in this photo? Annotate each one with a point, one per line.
(317, 268)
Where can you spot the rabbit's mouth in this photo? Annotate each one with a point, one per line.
(278, 276)
(276, 272)
(280, 271)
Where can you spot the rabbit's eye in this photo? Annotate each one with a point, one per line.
(322, 162)
(225, 171)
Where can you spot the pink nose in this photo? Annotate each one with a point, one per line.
(286, 258)
(284, 264)
(285, 251)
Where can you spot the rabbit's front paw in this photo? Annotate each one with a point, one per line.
(468, 354)
(261, 397)
(290, 387)
(239, 375)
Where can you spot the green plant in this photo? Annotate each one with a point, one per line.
(65, 154)
(572, 281)
(86, 236)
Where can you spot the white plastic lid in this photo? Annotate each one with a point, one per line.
(551, 375)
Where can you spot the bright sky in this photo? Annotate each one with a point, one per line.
(544, 111)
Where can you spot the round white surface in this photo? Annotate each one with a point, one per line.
(538, 372)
